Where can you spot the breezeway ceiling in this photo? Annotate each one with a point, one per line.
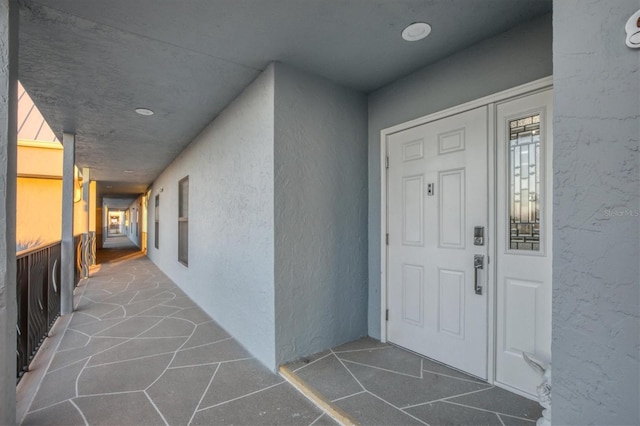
(89, 64)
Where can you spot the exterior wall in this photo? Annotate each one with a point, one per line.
(518, 56)
(320, 214)
(596, 333)
(38, 210)
(39, 194)
(134, 235)
(92, 206)
(231, 224)
(40, 159)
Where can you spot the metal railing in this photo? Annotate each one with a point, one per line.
(38, 298)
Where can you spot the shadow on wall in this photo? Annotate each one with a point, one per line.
(22, 245)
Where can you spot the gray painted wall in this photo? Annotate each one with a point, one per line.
(8, 142)
(231, 245)
(515, 57)
(596, 347)
(135, 235)
(320, 214)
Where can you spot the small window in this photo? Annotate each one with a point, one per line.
(183, 221)
(156, 236)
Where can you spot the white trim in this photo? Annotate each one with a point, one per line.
(383, 237)
(491, 241)
(525, 89)
(489, 101)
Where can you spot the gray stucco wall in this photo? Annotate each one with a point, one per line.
(596, 298)
(135, 235)
(320, 214)
(515, 57)
(231, 255)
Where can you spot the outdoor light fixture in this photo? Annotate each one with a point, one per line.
(144, 111)
(416, 31)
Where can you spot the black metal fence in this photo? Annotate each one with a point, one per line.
(38, 298)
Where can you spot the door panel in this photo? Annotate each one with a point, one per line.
(524, 217)
(437, 193)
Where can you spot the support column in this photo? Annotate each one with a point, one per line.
(92, 222)
(8, 144)
(86, 236)
(67, 252)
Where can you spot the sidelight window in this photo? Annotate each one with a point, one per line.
(524, 183)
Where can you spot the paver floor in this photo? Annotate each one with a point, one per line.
(138, 351)
(380, 384)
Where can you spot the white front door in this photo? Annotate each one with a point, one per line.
(524, 201)
(437, 194)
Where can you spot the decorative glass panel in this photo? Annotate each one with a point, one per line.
(524, 183)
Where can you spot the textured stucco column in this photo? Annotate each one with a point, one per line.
(86, 195)
(596, 213)
(8, 142)
(67, 266)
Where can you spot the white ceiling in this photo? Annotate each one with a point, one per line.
(89, 64)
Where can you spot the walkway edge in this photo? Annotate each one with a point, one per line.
(317, 398)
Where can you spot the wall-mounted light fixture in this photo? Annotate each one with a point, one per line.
(633, 31)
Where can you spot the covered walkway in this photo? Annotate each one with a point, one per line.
(137, 351)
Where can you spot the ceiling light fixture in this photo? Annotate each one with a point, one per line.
(144, 111)
(128, 171)
(416, 31)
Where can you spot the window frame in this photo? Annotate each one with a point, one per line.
(156, 219)
(183, 221)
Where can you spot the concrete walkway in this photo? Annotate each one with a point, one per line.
(137, 351)
(377, 383)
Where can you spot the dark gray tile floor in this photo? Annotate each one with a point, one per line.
(379, 384)
(137, 351)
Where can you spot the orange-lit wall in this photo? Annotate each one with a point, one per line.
(39, 194)
(38, 209)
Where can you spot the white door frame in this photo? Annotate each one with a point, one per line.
(490, 101)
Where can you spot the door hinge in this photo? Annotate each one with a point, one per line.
(386, 315)
(387, 238)
(387, 162)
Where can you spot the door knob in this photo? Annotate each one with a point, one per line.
(478, 264)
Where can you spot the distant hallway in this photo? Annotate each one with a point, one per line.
(117, 248)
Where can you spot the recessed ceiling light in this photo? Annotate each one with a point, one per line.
(128, 171)
(144, 111)
(416, 31)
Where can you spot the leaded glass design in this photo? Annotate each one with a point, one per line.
(524, 183)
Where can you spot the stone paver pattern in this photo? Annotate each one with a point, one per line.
(138, 351)
(380, 384)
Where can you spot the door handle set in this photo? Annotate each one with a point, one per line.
(478, 264)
